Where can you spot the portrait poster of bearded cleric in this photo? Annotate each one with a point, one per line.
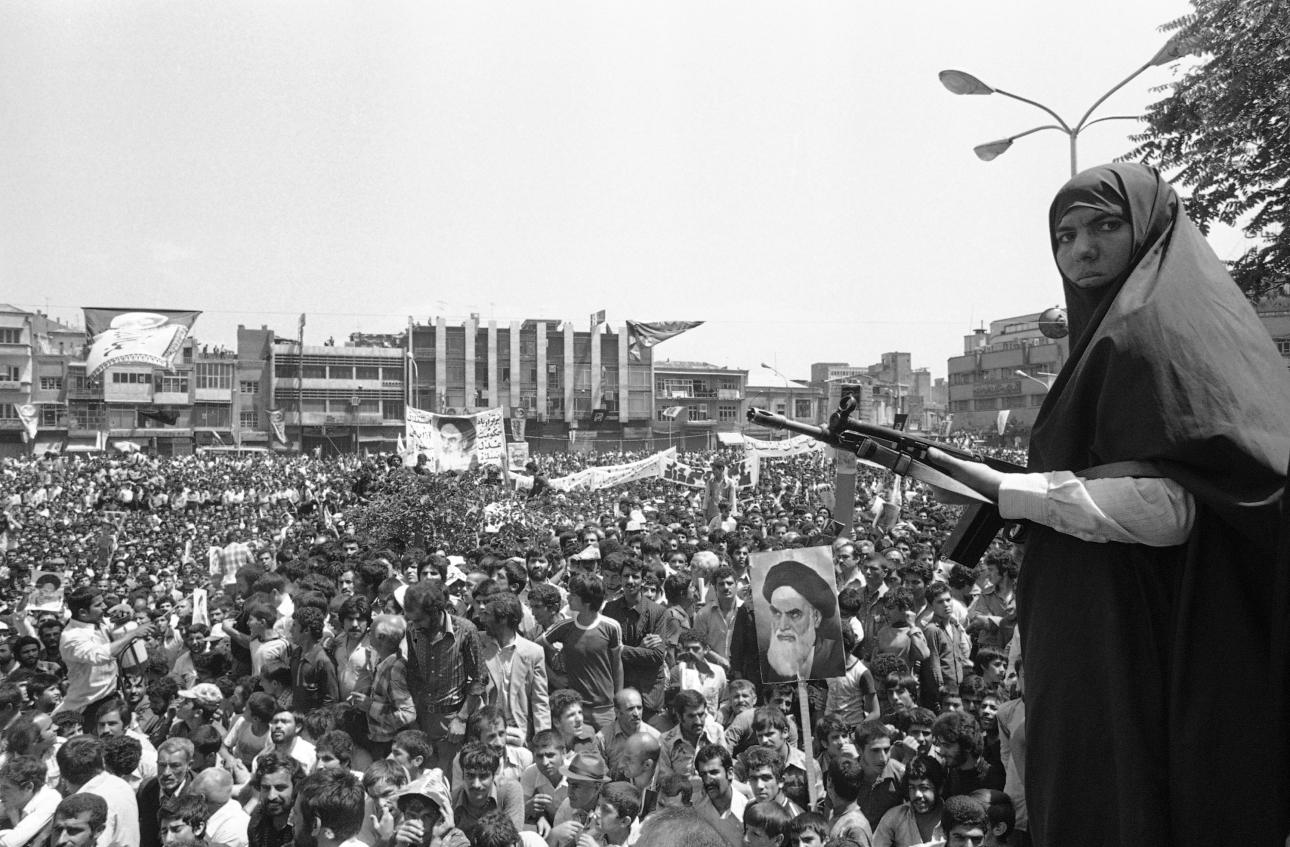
(795, 604)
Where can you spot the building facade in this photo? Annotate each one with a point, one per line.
(555, 377)
(711, 396)
(333, 399)
(1009, 366)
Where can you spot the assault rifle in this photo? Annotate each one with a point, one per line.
(906, 454)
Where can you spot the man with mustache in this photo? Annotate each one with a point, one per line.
(801, 601)
(277, 776)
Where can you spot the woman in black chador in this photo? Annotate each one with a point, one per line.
(1145, 599)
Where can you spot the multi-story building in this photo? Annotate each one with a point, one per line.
(1009, 366)
(796, 399)
(712, 396)
(554, 376)
(339, 399)
(882, 390)
(34, 351)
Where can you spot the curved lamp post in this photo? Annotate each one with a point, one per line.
(962, 82)
(1046, 383)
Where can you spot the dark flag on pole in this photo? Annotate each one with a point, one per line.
(642, 335)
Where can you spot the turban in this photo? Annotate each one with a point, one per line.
(805, 581)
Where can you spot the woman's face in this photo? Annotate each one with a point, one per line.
(1094, 247)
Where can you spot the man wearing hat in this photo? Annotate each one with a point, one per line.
(425, 815)
(805, 638)
(586, 774)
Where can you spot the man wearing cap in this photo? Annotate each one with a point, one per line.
(586, 774)
(425, 816)
(805, 641)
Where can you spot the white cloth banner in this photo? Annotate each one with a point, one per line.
(29, 415)
(749, 472)
(608, 476)
(795, 446)
(457, 442)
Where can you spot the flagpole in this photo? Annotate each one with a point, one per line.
(300, 384)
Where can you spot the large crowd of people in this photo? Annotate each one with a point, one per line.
(262, 651)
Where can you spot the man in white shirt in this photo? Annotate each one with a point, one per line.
(80, 761)
(91, 655)
(226, 823)
(28, 803)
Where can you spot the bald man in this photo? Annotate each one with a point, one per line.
(640, 766)
(611, 739)
(227, 824)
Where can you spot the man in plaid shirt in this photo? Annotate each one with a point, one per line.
(445, 667)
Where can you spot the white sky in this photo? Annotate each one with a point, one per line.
(792, 173)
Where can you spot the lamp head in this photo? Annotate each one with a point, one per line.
(992, 150)
(962, 82)
(1175, 48)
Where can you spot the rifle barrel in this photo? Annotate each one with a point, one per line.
(767, 418)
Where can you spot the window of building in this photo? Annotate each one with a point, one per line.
(284, 370)
(1016, 401)
(51, 383)
(130, 378)
(555, 407)
(781, 408)
(248, 419)
(173, 384)
(9, 373)
(638, 407)
(340, 372)
(392, 410)
(987, 404)
(53, 416)
(728, 385)
(11, 335)
(8, 412)
(675, 387)
(960, 405)
(370, 372)
(696, 413)
(1283, 346)
(801, 409)
(249, 386)
(582, 405)
(309, 372)
(390, 373)
(727, 411)
(212, 375)
(215, 415)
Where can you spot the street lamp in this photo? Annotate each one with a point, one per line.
(962, 82)
(1046, 383)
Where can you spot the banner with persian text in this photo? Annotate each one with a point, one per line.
(457, 442)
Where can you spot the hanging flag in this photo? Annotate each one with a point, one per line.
(1001, 420)
(672, 411)
(597, 318)
(642, 335)
(278, 423)
(162, 416)
(218, 440)
(29, 415)
(301, 327)
(135, 337)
